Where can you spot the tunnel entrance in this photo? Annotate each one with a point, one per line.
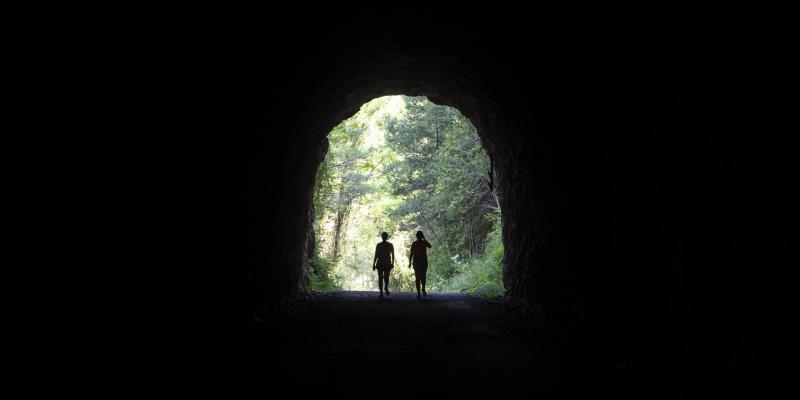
(400, 165)
(640, 160)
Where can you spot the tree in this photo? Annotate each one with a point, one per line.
(402, 164)
(440, 172)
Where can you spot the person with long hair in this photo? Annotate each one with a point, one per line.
(419, 259)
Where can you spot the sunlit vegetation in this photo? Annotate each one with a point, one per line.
(399, 165)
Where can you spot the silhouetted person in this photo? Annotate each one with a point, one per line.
(419, 259)
(383, 262)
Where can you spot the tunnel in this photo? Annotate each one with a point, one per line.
(639, 161)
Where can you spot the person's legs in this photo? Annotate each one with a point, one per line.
(386, 281)
(380, 281)
(423, 278)
(416, 279)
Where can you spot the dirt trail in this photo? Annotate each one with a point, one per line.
(352, 341)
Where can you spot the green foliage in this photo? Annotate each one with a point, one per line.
(399, 165)
(482, 276)
(441, 173)
(323, 281)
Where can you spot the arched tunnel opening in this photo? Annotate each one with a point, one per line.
(641, 178)
(405, 166)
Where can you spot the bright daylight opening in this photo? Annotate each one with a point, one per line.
(401, 165)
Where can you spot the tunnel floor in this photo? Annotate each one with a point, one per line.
(348, 342)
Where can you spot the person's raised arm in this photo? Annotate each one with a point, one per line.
(428, 244)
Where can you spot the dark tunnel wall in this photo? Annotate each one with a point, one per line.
(640, 165)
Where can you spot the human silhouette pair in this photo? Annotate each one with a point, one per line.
(384, 259)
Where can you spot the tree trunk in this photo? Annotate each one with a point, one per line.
(473, 245)
(340, 226)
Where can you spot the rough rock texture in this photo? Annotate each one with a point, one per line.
(640, 163)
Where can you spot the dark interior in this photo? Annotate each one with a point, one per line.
(639, 157)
